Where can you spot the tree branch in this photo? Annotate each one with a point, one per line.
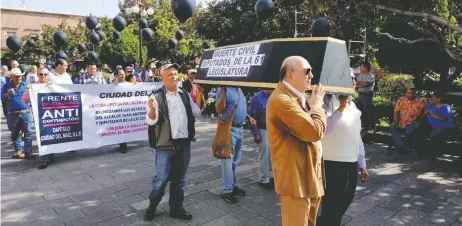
(446, 47)
(407, 41)
(428, 16)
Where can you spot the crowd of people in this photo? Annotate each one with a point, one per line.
(310, 146)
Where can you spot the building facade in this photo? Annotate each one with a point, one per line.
(23, 22)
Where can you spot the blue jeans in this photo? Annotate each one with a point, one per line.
(16, 124)
(228, 166)
(264, 163)
(410, 132)
(171, 166)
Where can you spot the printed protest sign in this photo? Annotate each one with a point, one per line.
(71, 117)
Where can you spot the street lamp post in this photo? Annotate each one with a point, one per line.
(138, 8)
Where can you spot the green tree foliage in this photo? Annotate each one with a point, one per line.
(123, 51)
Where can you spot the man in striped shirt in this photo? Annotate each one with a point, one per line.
(92, 77)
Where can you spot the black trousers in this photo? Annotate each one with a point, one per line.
(341, 178)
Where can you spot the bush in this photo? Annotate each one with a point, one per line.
(383, 108)
(457, 85)
(393, 86)
(182, 76)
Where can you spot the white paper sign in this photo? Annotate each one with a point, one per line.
(233, 62)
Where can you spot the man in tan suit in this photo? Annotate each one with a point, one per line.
(295, 127)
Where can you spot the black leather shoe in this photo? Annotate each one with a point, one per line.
(43, 164)
(229, 198)
(182, 215)
(123, 149)
(238, 191)
(268, 186)
(150, 212)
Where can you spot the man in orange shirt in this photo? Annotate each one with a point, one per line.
(407, 112)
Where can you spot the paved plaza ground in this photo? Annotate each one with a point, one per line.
(104, 187)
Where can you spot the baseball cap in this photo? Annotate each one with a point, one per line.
(119, 67)
(167, 66)
(192, 71)
(16, 72)
(129, 69)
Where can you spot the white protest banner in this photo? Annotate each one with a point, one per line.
(233, 62)
(71, 117)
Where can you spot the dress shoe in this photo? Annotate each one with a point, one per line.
(238, 191)
(150, 212)
(181, 214)
(229, 198)
(268, 186)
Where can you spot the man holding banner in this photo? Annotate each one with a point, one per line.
(170, 116)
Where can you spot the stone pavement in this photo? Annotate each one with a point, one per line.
(104, 187)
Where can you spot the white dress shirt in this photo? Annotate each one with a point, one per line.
(177, 114)
(298, 93)
(63, 78)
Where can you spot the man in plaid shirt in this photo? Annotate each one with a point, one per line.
(92, 77)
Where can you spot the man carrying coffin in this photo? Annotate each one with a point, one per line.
(170, 116)
(295, 128)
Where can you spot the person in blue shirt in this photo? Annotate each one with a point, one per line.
(19, 116)
(3, 81)
(257, 110)
(438, 116)
(228, 166)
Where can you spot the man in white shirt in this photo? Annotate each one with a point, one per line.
(170, 116)
(59, 75)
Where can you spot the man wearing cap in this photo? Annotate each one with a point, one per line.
(59, 75)
(189, 85)
(19, 117)
(113, 74)
(170, 116)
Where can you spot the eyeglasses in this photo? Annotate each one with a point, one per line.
(43, 74)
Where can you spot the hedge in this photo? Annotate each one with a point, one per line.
(394, 86)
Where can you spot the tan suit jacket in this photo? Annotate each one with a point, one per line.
(296, 158)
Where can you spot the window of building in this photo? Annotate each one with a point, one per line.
(10, 33)
(34, 35)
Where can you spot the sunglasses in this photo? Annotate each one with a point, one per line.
(307, 71)
(43, 74)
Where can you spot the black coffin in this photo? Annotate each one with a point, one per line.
(257, 64)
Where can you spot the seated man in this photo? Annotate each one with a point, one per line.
(437, 118)
(407, 111)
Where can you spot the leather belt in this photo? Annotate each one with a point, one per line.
(19, 112)
(238, 125)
